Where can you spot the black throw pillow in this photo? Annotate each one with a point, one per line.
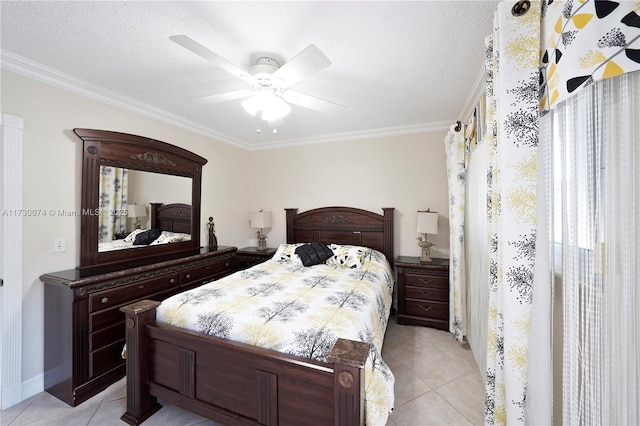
(147, 237)
(314, 253)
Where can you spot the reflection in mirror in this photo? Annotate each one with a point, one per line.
(120, 189)
(153, 159)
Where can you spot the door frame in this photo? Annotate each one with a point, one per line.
(11, 131)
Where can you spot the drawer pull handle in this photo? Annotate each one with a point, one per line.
(104, 300)
(172, 280)
(425, 293)
(188, 276)
(226, 264)
(141, 286)
(423, 281)
(426, 309)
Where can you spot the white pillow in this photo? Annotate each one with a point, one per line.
(346, 256)
(132, 236)
(168, 237)
(287, 253)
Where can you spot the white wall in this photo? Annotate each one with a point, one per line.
(52, 172)
(405, 172)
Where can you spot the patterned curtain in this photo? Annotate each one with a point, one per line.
(535, 61)
(512, 114)
(113, 198)
(586, 41)
(456, 153)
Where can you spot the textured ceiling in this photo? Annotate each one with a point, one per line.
(398, 67)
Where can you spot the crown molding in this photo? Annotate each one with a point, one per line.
(475, 94)
(33, 70)
(436, 126)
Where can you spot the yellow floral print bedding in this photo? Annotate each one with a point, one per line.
(285, 306)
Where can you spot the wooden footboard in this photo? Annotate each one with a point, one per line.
(235, 383)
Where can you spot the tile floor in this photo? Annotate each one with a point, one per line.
(437, 383)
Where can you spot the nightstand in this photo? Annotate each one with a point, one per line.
(423, 292)
(250, 256)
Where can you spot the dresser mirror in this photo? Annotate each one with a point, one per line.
(132, 192)
(163, 178)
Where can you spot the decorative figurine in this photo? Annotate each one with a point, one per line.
(213, 241)
(426, 249)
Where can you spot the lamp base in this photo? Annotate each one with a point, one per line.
(425, 256)
(262, 242)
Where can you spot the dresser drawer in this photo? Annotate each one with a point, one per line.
(100, 320)
(427, 281)
(125, 294)
(207, 271)
(427, 309)
(106, 335)
(106, 358)
(426, 293)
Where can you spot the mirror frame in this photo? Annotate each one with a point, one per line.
(107, 148)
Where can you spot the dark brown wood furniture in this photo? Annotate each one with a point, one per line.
(423, 292)
(106, 148)
(174, 217)
(235, 383)
(84, 328)
(251, 256)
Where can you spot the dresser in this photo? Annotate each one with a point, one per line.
(423, 292)
(251, 256)
(84, 328)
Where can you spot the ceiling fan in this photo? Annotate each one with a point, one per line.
(269, 94)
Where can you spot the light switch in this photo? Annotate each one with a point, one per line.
(58, 245)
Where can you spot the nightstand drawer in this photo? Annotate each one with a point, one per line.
(427, 281)
(251, 256)
(424, 293)
(427, 309)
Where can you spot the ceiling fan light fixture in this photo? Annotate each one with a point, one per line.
(271, 106)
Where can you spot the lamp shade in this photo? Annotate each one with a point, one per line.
(136, 210)
(427, 222)
(261, 219)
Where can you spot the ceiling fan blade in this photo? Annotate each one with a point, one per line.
(223, 97)
(195, 47)
(312, 103)
(308, 62)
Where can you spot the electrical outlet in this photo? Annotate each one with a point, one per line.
(58, 245)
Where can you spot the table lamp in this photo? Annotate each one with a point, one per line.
(261, 220)
(427, 224)
(136, 211)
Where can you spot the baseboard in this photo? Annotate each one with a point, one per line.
(11, 395)
(33, 386)
(16, 393)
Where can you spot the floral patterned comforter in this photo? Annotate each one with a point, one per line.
(285, 306)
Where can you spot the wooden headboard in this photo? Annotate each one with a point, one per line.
(343, 225)
(171, 217)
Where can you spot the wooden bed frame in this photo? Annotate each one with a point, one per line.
(235, 383)
(174, 217)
